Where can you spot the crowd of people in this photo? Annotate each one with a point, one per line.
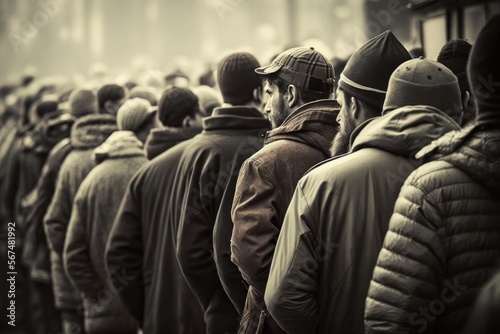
(295, 197)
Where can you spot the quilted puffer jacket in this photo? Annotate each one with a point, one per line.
(443, 241)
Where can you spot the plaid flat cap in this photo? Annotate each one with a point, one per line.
(303, 67)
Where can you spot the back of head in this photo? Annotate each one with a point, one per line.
(305, 68)
(237, 79)
(146, 93)
(110, 92)
(175, 104)
(455, 55)
(366, 74)
(208, 97)
(82, 102)
(133, 114)
(416, 52)
(424, 81)
(47, 104)
(484, 71)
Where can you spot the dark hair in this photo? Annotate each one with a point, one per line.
(306, 96)
(46, 107)
(110, 92)
(175, 104)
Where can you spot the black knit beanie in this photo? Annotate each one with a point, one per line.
(237, 78)
(366, 74)
(484, 70)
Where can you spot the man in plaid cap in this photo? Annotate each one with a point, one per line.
(300, 83)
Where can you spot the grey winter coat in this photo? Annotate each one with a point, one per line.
(92, 217)
(86, 134)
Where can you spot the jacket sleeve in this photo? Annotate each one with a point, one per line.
(77, 261)
(255, 230)
(124, 253)
(195, 234)
(59, 213)
(230, 276)
(292, 286)
(409, 268)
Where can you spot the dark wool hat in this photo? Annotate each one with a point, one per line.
(110, 92)
(484, 68)
(237, 78)
(47, 105)
(368, 70)
(455, 55)
(423, 81)
(175, 104)
(82, 102)
(303, 67)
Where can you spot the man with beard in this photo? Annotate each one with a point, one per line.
(363, 84)
(338, 217)
(299, 83)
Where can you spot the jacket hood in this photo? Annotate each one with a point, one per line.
(404, 131)
(474, 150)
(51, 130)
(314, 124)
(120, 144)
(160, 140)
(92, 130)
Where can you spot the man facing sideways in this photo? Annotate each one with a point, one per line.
(300, 84)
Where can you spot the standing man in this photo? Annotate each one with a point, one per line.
(363, 85)
(94, 210)
(338, 217)
(300, 83)
(231, 135)
(87, 133)
(141, 244)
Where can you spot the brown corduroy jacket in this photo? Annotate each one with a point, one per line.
(264, 189)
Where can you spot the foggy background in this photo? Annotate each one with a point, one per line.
(120, 37)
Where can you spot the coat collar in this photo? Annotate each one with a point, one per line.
(235, 118)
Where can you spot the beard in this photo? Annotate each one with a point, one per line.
(340, 144)
(279, 115)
